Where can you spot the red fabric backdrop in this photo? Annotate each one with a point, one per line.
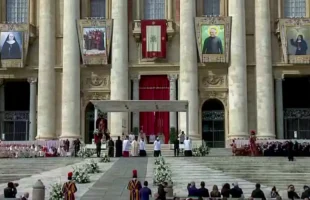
(155, 88)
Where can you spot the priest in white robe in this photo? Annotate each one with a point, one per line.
(187, 147)
(157, 148)
(142, 151)
(134, 148)
(126, 147)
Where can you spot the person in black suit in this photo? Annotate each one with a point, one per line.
(203, 191)
(290, 151)
(176, 147)
(10, 191)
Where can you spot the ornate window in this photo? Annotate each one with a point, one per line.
(212, 7)
(98, 8)
(17, 11)
(154, 9)
(295, 8)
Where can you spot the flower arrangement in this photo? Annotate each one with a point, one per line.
(162, 172)
(200, 151)
(159, 160)
(85, 153)
(92, 167)
(56, 192)
(80, 174)
(105, 158)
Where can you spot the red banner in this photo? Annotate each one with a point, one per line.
(154, 38)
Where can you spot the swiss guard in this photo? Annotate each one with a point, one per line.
(134, 186)
(69, 188)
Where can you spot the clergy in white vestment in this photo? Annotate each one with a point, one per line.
(126, 147)
(157, 147)
(131, 137)
(134, 148)
(187, 147)
(142, 151)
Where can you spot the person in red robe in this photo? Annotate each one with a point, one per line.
(253, 147)
(234, 147)
(69, 188)
(134, 186)
(98, 137)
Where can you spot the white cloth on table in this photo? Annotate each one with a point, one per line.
(157, 145)
(187, 145)
(126, 145)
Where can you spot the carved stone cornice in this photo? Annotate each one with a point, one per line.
(220, 95)
(97, 96)
(32, 80)
(135, 77)
(213, 81)
(172, 77)
(97, 81)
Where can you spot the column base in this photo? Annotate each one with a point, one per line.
(70, 137)
(266, 137)
(45, 138)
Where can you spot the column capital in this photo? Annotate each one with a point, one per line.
(135, 77)
(172, 77)
(32, 80)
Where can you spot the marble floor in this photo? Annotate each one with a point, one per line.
(247, 171)
(49, 170)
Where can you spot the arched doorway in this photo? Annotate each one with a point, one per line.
(213, 123)
(90, 121)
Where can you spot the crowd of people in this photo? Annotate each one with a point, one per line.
(139, 192)
(275, 148)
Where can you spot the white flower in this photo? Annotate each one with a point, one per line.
(56, 192)
(80, 174)
(105, 158)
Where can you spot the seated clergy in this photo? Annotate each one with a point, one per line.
(187, 147)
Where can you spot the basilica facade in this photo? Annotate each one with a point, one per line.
(241, 64)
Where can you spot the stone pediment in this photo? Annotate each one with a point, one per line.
(95, 36)
(15, 40)
(294, 37)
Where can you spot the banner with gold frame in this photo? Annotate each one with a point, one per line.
(295, 40)
(95, 36)
(213, 39)
(14, 45)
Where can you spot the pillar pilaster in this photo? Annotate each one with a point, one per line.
(119, 69)
(70, 120)
(173, 96)
(237, 72)
(264, 75)
(33, 109)
(46, 84)
(279, 108)
(135, 96)
(188, 68)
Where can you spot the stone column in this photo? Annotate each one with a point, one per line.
(173, 96)
(264, 75)
(32, 13)
(119, 70)
(237, 72)
(33, 109)
(135, 96)
(138, 9)
(188, 67)
(95, 117)
(279, 109)
(170, 9)
(46, 84)
(70, 119)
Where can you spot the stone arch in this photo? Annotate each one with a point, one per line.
(89, 121)
(213, 122)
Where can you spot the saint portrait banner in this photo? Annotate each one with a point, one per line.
(95, 37)
(213, 39)
(13, 44)
(295, 40)
(154, 38)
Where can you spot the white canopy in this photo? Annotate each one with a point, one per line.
(140, 105)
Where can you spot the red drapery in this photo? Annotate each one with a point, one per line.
(155, 88)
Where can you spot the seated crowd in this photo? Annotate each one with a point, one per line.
(275, 149)
(236, 192)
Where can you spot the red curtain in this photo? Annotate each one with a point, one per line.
(155, 88)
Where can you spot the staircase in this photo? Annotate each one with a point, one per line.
(167, 150)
